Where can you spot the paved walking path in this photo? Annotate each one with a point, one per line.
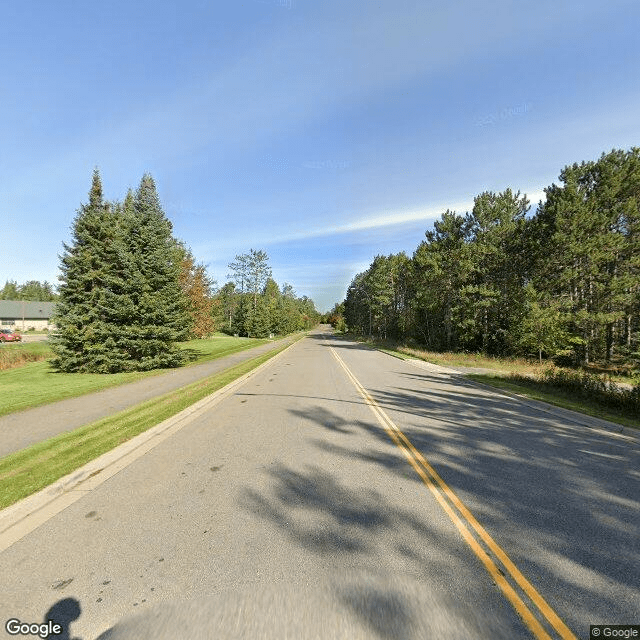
(24, 428)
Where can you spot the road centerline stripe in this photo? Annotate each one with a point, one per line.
(450, 502)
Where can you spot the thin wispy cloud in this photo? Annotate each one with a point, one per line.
(314, 130)
(378, 220)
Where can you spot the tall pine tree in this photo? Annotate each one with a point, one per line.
(159, 317)
(92, 293)
(121, 307)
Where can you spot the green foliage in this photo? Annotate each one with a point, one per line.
(10, 291)
(242, 315)
(258, 325)
(259, 308)
(90, 271)
(159, 317)
(542, 328)
(30, 290)
(251, 271)
(224, 307)
(593, 387)
(563, 283)
(121, 307)
(335, 317)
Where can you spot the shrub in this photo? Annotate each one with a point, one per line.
(590, 386)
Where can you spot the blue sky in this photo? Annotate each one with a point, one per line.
(323, 132)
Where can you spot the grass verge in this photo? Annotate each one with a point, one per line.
(36, 383)
(24, 472)
(558, 397)
(395, 354)
(451, 359)
(478, 360)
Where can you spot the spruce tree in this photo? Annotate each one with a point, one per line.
(157, 318)
(93, 273)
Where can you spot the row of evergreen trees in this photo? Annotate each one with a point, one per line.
(562, 283)
(130, 291)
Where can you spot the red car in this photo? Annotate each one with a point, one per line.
(9, 335)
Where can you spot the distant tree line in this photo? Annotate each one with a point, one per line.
(130, 291)
(30, 290)
(253, 305)
(563, 283)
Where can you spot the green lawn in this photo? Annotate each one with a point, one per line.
(36, 332)
(29, 470)
(35, 384)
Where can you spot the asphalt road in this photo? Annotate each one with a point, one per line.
(288, 511)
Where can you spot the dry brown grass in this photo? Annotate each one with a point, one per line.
(520, 365)
(17, 355)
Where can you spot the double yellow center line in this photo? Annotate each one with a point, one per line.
(472, 532)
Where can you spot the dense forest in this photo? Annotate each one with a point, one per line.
(561, 283)
(130, 291)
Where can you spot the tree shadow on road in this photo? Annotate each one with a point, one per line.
(562, 499)
(365, 538)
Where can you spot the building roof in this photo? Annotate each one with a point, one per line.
(27, 309)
